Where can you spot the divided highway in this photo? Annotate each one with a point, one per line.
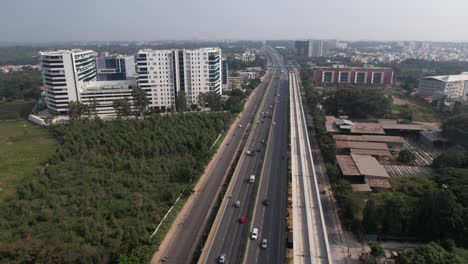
(185, 233)
(310, 244)
(270, 217)
(227, 236)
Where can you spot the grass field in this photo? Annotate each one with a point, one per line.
(421, 112)
(16, 110)
(24, 147)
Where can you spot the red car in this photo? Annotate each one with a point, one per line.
(242, 219)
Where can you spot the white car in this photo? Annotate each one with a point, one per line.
(254, 234)
(264, 243)
(240, 125)
(222, 258)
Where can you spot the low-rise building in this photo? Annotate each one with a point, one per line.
(342, 75)
(363, 170)
(391, 141)
(448, 86)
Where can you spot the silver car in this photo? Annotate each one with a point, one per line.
(264, 243)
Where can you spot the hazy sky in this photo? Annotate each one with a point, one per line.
(87, 20)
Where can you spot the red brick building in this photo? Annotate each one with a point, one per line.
(353, 76)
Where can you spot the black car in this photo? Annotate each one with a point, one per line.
(266, 202)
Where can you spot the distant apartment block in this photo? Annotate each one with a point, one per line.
(450, 86)
(164, 73)
(336, 44)
(311, 48)
(341, 75)
(247, 56)
(115, 68)
(78, 75)
(63, 73)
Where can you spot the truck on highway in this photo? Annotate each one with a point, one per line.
(252, 179)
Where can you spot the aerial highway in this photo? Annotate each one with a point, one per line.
(185, 233)
(228, 234)
(271, 202)
(310, 243)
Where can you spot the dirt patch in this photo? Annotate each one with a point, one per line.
(401, 101)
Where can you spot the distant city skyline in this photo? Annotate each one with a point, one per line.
(145, 20)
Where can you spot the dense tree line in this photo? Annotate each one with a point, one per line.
(23, 84)
(28, 54)
(106, 188)
(432, 214)
(455, 128)
(431, 253)
(358, 103)
(237, 65)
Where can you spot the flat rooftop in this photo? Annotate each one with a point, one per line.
(361, 187)
(347, 166)
(369, 166)
(368, 128)
(372, 152)
(377, 182)
(403, 126)
(369, 138)
(360, 145)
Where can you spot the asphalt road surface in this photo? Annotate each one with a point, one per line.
(271, 219)
(228, 233)
(181, 245)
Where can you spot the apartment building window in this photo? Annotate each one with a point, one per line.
(327, 77)
(344, 77)
(377, 77)
(361, 77)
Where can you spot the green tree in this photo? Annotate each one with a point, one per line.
(201, 100)
(181, 102)
(406, 156)
(122, 107)
(358, 103)
(93, 108)
(76, 110)
(119, 178)
(213, 100)
(350, 204)
(431, 253)
(453, 157)
(456, 180)
(376, 249)
(23, 84)
(140, 101)
(439, 216)
(456, 129)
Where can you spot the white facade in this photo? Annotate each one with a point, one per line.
(63, 73)
(450, 86)
(105, 92)
(71, 75)
(164, 73)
